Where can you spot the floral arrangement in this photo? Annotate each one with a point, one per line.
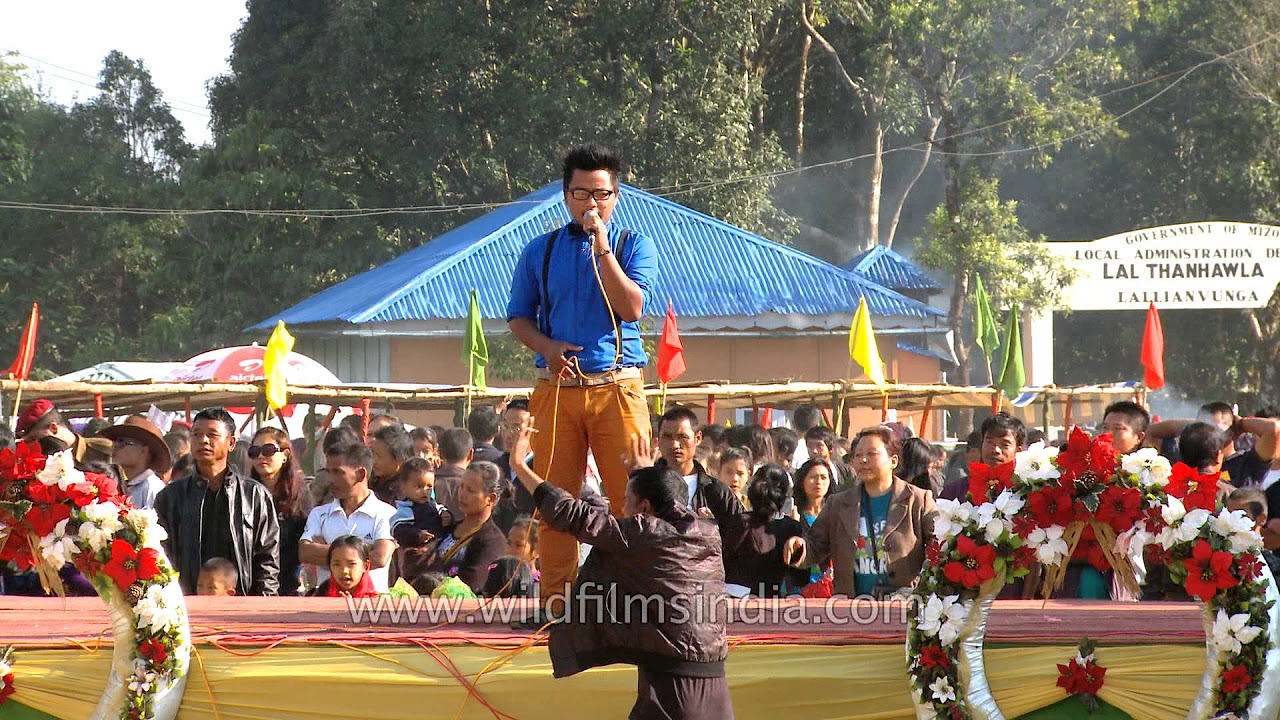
(1044, 507)
(1082, 675)
(52, 514)
(7, 687)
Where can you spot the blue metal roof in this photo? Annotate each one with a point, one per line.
(885, 267)
(706, 267)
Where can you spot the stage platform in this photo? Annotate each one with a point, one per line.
(311, 658)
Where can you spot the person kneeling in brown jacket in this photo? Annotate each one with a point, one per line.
(645, 594)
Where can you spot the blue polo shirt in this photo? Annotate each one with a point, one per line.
(578, 312)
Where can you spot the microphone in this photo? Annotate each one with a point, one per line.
(590, 214)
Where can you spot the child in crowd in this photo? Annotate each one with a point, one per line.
(418, 519)
(1253, 502)
(349, 567)
(217, 577)
(510, 577)
(735, 471)
(522, 541)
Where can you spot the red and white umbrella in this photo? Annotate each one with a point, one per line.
(243, 364)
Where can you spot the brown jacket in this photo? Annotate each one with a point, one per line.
(908, 531)
(647, 594)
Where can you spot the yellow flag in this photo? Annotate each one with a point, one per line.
(862, 344)
(275, 366)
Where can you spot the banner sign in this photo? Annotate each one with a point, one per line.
(1190, 266)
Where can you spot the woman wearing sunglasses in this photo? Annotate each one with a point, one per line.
(271, 463)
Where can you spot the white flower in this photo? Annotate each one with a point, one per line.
(1173, 510)
(147, 524)
(1182, 526)
(1083, 659)
(1148, 465)
(4, 670)
(943, 617)
(1238, 528)
(1036, 463)
(60, 470)
(106, 515)
(1231, 634)
(56, 547)
(94, 536)
(154, 612)
(942, 691)
(953, 518)
(1049, 545)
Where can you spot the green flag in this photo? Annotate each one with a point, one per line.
(1012, 375)
(984, 321)
(475, 350)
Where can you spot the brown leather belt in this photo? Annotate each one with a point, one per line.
(609, 378)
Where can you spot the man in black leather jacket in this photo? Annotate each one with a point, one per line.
(217, 512)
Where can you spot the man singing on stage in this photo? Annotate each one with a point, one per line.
(576, 297)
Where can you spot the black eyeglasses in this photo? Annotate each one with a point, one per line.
(583, 194)
(267, 450)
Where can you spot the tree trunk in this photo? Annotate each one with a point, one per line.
(877, 179)
(906, 190)
(801, 82)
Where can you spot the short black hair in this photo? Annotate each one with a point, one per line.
(768, 490)
(95, 426)
(825, 434)
(217, 414)
(509, 577)
(354, 423)
(47, 419)
(455, 444)
(1138, 416)
(661, 486)
(1002, 423)
(1199, 443)
(591, 157)
(1254, 500)
(1217, 408)
(737, 453)
(676, 414)
(518, 404)
(714, 433)
(1268, 411)
(341, 435)
(351, 541)
(974, 441)
(354, 454)
(805, 417)
(415, 465)
(423, 434)
(483, 424)
(397, 441)
(785, 441)
(223, 568)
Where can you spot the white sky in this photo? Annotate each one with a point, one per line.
(183, 44)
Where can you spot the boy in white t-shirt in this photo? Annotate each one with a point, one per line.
(354, 511)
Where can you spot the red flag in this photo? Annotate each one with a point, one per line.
(670, 350)
(1153, 350)
(21, 367)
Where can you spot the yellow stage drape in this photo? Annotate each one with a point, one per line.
(867, 682)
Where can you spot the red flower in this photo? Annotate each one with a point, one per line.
(128, 566)
(1157, 556)
(1024, 557)
(44, 518)
(1079, 679)
(17, 550)
(25, 462)
(1197, 492)
(1235, 679)
(1155, 520)
(932, 656)
(1120, 507)
(975, 566)
(933, 553)
(1052, 505)
(42, 494)
(986, 482)
(1023, 524)
(8, 688)
(1208, 571)
(1248, 566)
(107, 490)
(1103, 457)
(1073, 460)
(153, 650)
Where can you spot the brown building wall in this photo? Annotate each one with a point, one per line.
(438, 361)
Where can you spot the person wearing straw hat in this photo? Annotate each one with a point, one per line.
(142, 453)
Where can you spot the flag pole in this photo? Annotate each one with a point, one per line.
(17, 403)
(471, 378)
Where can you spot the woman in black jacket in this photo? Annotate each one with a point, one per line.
(753, 541)
(659, 550)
